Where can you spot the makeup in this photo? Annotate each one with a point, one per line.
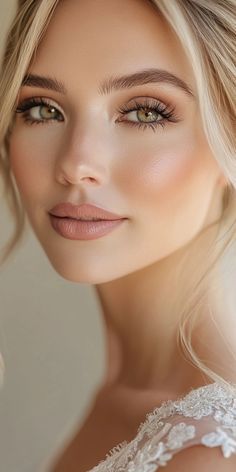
(70, 228)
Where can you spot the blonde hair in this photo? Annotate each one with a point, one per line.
(206, 31)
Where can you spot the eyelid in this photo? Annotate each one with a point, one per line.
(151, 97)
(143, 98)
(40, 98)
(131, 103)
(55, 103)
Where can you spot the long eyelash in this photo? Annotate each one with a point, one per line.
(166, 112)
(27, 104)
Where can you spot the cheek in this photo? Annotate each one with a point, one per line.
(31, 157)
(170, 184)
(162, 173)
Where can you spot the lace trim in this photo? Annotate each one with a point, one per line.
(156, 453)
(216, 400)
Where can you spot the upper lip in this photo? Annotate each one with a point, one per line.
(85, 211)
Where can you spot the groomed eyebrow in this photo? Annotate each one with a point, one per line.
(114, 83)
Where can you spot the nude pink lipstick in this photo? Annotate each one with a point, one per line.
(84, 221)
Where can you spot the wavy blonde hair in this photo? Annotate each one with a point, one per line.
(207, 33)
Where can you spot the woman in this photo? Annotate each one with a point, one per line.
(129, 106)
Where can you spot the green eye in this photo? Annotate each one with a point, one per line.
(38, 110)
(44, 112)
(149, 114)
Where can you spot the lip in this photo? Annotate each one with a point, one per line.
(85, 211)
(71, 228)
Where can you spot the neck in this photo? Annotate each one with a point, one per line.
(141, 313)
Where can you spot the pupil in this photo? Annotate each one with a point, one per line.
(48, 111)
(150, 115)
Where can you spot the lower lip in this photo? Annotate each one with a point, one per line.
(76, 229)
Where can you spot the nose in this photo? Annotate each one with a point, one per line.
(82, 160)
(82, 175)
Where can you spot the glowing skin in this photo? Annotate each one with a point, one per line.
(166, 182)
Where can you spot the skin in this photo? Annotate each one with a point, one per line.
(167, 183)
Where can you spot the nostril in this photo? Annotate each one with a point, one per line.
(92, 179)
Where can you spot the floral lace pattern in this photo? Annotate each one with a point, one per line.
(206, 415)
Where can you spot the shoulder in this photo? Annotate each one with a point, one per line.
(196, 433)
(200, 458)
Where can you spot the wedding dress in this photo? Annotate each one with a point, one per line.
(206, 415)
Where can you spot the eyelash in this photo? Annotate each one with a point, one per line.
(149, 105)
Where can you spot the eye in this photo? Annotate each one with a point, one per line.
(39, 110)
(148, 114)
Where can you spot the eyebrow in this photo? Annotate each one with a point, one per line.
(113, 83)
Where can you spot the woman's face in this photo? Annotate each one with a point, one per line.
(152, 166)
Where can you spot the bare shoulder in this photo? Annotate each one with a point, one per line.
(201, 459)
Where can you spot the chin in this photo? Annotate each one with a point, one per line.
(82, 273)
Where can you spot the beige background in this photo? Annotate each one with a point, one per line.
(51, 338)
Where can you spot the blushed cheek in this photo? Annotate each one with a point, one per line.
(160, 175)
(31, 161)
(20, 156)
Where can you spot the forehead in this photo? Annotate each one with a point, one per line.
(87, 40)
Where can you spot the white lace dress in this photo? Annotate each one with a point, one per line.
(206, 415)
